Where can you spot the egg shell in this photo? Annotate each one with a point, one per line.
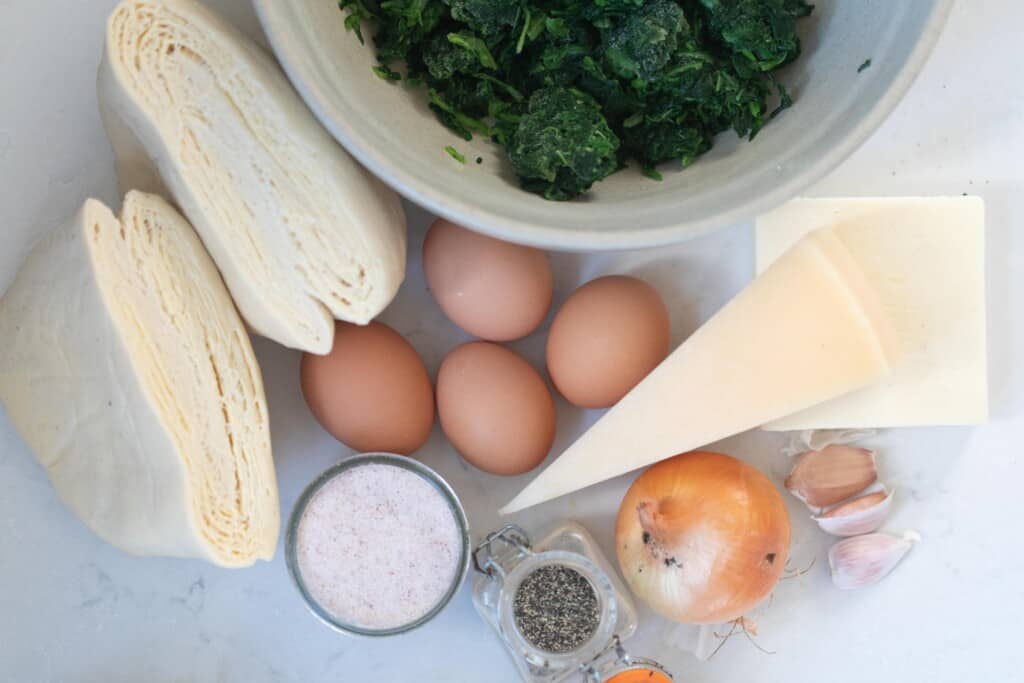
(495, 408)
(608, 335)
(372, 391)
(492, 289)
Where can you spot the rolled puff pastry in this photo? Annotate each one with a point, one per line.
(301, 233)
(129, 373)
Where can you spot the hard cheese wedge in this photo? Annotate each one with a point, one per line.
(926, 258)
(810, 328)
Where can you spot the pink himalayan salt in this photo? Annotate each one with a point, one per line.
(378, 546)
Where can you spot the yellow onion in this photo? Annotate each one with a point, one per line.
(702, 537)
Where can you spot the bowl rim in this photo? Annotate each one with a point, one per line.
(496, 224)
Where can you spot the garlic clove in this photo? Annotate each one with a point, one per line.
(858, 516)
(825, 477)
(864, 560)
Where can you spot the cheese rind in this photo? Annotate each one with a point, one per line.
(808, 329)
(128, 372)
(926, 258)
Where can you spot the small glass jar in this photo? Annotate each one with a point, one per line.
(431, 477)
(506, 558)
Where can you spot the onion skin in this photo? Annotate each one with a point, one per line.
(702, 537)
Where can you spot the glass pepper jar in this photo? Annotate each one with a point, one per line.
(559, 607)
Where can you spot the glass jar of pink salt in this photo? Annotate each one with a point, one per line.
(377, 545)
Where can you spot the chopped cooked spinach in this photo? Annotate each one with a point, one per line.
(562, 144)
(455, 154)
(574, 89)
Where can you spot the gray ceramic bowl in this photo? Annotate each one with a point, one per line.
(390, 130)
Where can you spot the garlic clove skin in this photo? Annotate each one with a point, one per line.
(833, 474)
(858, 516)
(865, 560)
(818, 439)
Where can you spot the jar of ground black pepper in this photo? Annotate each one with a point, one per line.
(559, 607)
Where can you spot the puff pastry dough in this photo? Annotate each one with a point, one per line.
(301, 233)
(129, 373)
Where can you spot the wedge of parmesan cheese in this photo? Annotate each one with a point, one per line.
(129, 373)
(300, 232)
(810, 328)
(926, 257)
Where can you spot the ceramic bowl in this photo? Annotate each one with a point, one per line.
(838, 103)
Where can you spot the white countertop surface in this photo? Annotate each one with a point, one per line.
(74, 609)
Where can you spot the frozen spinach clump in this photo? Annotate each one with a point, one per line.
(576, 89)
(562, 144)
(763, 32)
(642, 43)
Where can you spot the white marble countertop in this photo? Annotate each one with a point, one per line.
(74, 609)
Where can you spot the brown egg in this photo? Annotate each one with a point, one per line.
(492, 289)
(495, 408)
(609, 335)
(372, 391)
